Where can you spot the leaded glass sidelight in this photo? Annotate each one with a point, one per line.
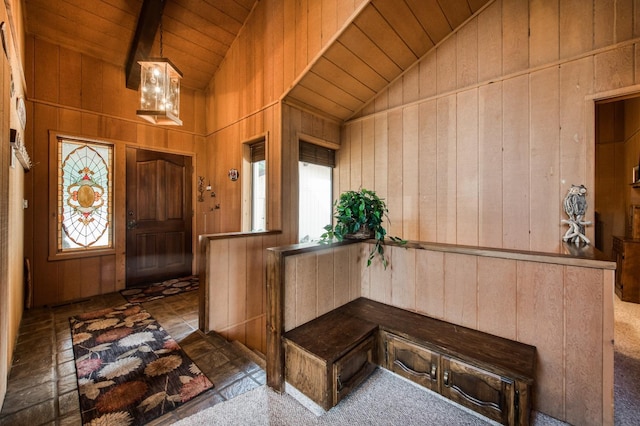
(85, 205)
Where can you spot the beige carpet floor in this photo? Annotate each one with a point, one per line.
(387, 399)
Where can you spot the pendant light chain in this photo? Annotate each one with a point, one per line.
(161, 33)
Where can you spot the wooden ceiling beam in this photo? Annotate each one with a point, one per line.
(148, 23)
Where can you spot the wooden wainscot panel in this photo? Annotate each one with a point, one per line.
(584, 351)
(497, 296)
(541, 324)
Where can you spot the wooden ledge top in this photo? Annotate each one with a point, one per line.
(569, 254)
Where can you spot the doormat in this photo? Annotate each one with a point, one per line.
(129, 369)
(162, 289)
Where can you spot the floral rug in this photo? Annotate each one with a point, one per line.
(129, 369)
(161, 289)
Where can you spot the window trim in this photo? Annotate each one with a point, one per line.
(54, 253)
(247, 192)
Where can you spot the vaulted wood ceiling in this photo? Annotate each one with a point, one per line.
(383, 41)
(196, 33)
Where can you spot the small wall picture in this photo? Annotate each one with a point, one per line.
(636, 174)
(233, 174)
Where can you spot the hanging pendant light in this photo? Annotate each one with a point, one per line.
(160, 90)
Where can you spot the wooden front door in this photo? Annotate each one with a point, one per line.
(159, 216)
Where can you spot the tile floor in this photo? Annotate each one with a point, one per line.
(42, 387)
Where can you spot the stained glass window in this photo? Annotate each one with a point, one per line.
(85, 205)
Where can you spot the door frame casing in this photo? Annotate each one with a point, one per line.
(190, 174)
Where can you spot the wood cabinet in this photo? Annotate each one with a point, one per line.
(494, 396)
(411, 361)
(327, 357)
(626, 252)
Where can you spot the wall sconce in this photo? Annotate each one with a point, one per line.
(202, 189)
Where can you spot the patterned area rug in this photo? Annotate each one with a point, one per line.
(161, 289)
(129, 369)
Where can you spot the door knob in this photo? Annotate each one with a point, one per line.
(132, 224)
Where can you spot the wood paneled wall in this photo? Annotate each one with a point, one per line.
(234, 294)
(562, 305)
(479, 142)
(320, 281)
(223, 213)
(279, 40)
(277, 43)
(564, 310)
(11, 192)
(76, 95)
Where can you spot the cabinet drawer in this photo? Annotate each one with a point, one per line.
(412, 361)
(488, 394)
(353, 368)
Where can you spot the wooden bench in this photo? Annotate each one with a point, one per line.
(327, 357)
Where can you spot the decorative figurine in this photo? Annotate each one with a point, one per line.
(575, 205)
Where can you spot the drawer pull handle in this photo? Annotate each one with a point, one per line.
(410, 370)
(434, 372)
(446, 378)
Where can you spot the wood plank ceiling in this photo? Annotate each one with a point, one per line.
(196, 34)
(383, 41)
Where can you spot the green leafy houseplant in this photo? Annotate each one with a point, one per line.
(360, 214)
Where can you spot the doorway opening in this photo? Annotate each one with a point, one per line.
(617, 234)
(159, 217)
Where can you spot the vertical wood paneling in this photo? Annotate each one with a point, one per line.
(614, 69)
(219, 288)
(380, 285)
(427, 170)
(237, 301)
(460, 289)
(430, 283)
(490, 42)
(545, 161)
(403, 277)
(71, 70)
(583, 350)
(410, 171)
(603, 23)
(575, 84)
(381, 150)
(497, 296)
(428, 70)
(368, 154)
(466, 190)
(515, 47)
(396, 185)
(446, 65)
(566, 312)
(325, 282)
(341, 276)
(490, 165)
(255, 277)
(540, 301)
(306, 293)
(446, 168)
(544, 38)
(356, 155)
(516, 162)
(467, 54)
(576, 27)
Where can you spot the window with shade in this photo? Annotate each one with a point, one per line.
(315, 171)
